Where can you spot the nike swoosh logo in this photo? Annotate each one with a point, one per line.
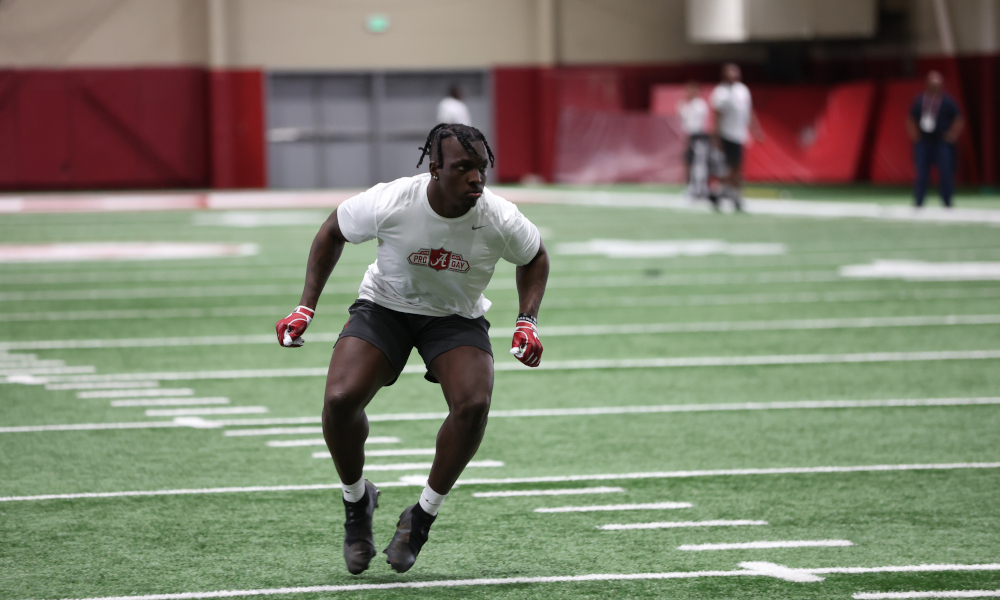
(480, 227)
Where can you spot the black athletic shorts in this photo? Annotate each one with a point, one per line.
(733, 152)
(396, 333)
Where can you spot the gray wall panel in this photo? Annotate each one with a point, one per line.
(358, 129)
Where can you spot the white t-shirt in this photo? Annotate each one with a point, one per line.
(453, 110)
(427, 264)
(734, 106)
(694, 114)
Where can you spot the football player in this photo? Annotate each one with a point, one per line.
(440, 235)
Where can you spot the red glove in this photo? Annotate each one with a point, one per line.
(291, 328)
(526, 347)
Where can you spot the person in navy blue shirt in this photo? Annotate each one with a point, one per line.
(934, 123)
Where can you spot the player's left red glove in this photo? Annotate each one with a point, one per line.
(526, 347)
(291, 328)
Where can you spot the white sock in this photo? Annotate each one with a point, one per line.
(354, 492)
(431, 501)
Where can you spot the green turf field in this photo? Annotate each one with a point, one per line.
(667, 415)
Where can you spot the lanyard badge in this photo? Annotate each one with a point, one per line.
(929, 113)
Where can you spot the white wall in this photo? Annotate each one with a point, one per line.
(424, 34)
(60, 33)
(331, 34)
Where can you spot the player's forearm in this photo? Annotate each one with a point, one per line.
(326, 249)
(531, 279)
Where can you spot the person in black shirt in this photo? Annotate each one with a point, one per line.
(934, 123)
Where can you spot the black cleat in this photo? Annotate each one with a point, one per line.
(359, 543)
(411, 535)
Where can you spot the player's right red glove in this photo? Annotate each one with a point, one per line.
(291, 328)
(526, 347)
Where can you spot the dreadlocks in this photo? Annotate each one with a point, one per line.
(465, 134)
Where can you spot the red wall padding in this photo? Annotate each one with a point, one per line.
(516, 121)
(131, 128)
(813, 134)
(112, 128)
(238, 137)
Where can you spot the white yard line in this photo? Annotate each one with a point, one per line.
(537, 412)
(765, 545)
(198, 412)
(548, 331)
(276, 430)
(555, 365)
(136, 393)
(14, 362)
(750, 569)
(58, 371)
(143, 292)
(427, 465)
(566, 492)
(376, 453)
(728, 472)
(781, 208)
(92, 426)
(616, 507)
(516, 480)
(617, 302)
(624, 410)
(613, 281)
(152, 313)
(777, 325)
(678, 524)
(936, 594)
(781, 572)
(375, 439)
(105, 385)
(169, 402)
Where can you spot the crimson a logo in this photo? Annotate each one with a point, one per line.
(439, 260)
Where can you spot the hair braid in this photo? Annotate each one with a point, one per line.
(465, 134)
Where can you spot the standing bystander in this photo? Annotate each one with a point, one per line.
(934, 124)
(452, 109)
(693, 112)
(734, 122)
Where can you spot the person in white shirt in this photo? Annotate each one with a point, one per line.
(693, 112)
(451, 109)
(440, 235)
(734, 122)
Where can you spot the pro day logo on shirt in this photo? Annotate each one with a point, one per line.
(439, 260)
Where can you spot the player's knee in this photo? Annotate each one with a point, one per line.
(342, 401)
(472, 410)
